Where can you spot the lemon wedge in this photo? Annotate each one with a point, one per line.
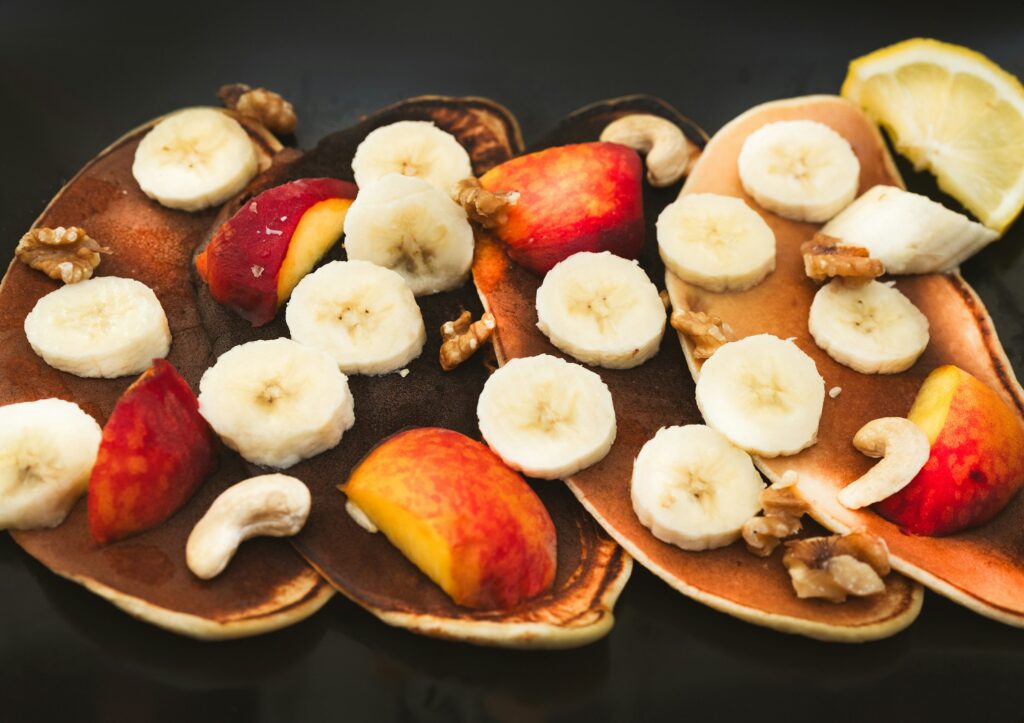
(953, 112)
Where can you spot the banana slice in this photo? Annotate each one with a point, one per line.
(693, 488)
(103, 327)
(716, 242)
(194, 159)
(407, 225)
(799, 169)
(276, 401)
(47, 450)
(546, 417)
(874, 329)
(361, 314)
(763, 394)
(411, 148)
(602, 309)
(908, 232)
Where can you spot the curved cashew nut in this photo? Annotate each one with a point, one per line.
(668, 151)
(904, 449)
(273, 505)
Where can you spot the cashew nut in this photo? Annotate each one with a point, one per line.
(271, 505)
(665, 145)
(904, 449)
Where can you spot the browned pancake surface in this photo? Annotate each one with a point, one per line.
(660, 393)
(983, 568)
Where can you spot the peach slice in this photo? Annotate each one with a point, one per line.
(976, 464)
(256, 257)
(465, 519)
(155, 452)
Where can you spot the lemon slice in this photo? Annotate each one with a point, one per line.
(954, 112)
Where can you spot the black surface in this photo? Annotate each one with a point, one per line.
(72, 79)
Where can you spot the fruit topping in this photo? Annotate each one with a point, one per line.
(461, 338)
(67, 254)
(904, 449)
(837, 566)
(706, 332)
(602, 309)
(271, 505)
(411, 148)
(663, 144)
(361, 314)
(47, 450)
(825, 258)
(103, 327)
(155, 453)
(276, 401)
(547, 417)
(799, 169)
(454, 509)
(716, 242)
(783, 507)
(262, 105)
(693, 488)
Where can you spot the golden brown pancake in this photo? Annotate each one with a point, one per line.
(365, 567)
(660, 393)
(982, 569)
(267, 586)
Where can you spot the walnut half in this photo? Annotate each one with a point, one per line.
(705, 331)
(460, 339)
(67, 254)
(260, 104)
(837, 566)
(783, 507)
(826, 257)
(489, 209)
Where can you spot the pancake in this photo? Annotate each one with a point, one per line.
(660, 393)
(365, 567)
(982, 569)
(267, 586)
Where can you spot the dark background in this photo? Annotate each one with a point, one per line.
(74, 78)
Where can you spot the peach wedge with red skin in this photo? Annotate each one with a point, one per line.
(976, 463)
(464, 518)
(155, 452)
(256, 257)
(581, 197)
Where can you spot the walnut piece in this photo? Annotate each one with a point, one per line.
(826, 257)
(487, 208)
(782, 506)
(837, 566)
(461, 339)
(68, 254)
(706, 332)
(260, 104)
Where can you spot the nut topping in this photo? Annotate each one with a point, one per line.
(837, 566)
(260, 104)
(461, 339)
(706, 332)
(826, 257)
(783, 507)
(68, 254)
(486, 208)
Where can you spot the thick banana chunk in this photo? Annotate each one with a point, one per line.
(693, 488)
(363, 315)
(411, 148)
(195, 158)
(799, 169)
(47, 450)
(716, 242)
(547, 417)
(764, 394)
(873, 328)
(602, 309)
(276, 401)
(103, 327)
(908, 232)
(407, 225)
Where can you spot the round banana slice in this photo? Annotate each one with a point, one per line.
(763, 394)
(407, 225)
(102, 327)
(602, 309)
(47, 450)
(693, 488)
(799, 169)
(411, 148)
(716, 242)
(195, 158)
(362, 314)
(276, 401)
(873, 328)
(547, 417)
